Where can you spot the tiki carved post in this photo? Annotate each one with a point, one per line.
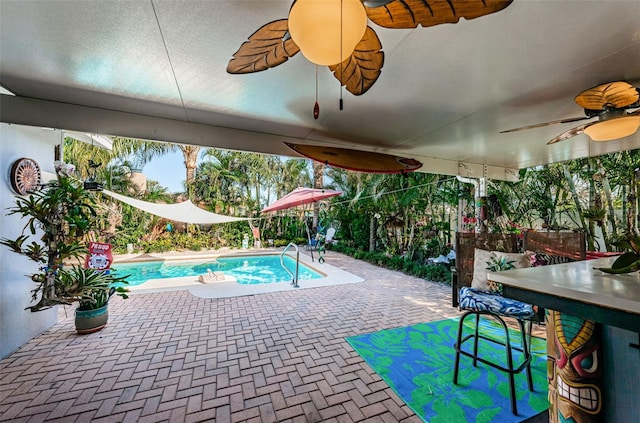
(574, 369)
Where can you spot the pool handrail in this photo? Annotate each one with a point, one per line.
(294, 278)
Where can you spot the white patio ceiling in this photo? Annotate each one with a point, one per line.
(444, 94)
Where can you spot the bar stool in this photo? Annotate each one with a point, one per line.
(482, 303)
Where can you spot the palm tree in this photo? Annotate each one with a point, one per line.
(292, 174)
(126, 153)
(190, 154)
(214, 181)
(538, 194)
(138, 152)
(283, 177)
(144, 151)
(157, 193)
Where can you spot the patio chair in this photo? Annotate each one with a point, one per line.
(545, 248)
(479, 304)
(312, 244)
(323, 241)
(331, 232)
(473, 251)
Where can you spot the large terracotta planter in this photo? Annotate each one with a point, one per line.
(89, 321)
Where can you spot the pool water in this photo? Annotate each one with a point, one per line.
(246, 269)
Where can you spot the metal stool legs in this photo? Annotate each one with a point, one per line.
(510, 369)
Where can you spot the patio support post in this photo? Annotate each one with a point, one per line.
(481, 206)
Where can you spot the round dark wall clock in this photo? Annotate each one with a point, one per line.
(25, 176)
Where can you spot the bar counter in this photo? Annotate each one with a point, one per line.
(579, 289)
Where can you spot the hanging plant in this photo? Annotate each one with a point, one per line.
(595, 214)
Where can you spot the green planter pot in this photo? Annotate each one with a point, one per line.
(89, 321)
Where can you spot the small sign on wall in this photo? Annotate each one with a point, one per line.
(99, 257)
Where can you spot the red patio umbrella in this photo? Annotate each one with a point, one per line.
(300, 196)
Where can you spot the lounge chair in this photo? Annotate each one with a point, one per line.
(331, 232)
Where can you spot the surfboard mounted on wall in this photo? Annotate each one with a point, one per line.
(360, 161)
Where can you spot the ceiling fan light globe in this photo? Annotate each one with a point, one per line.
(317, 26)
(613, 129)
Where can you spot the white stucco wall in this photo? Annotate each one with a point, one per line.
(18, 325)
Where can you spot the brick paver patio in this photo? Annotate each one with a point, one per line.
(170, 356)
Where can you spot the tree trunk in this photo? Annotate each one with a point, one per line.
(411, 237)
(373, 224)
(574, 195)
(624, 203)
(632, 208)
(605, 235)
(595, 203)
(190, 153)
(606, 188)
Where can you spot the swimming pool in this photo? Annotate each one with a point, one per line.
(247, 270)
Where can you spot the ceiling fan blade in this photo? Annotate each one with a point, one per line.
(571, 133)
(361, 70)
(539, 125)
(616, 94)
(266, 48)
(411, 13)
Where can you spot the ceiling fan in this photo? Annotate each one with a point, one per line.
(335, 33)
(610, 104)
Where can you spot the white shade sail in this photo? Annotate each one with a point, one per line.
(98, 140)
(185, 212)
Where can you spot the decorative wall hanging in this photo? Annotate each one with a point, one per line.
(25, 176)
(334, 33)
(610, 104)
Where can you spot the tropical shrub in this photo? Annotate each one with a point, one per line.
(432, 272)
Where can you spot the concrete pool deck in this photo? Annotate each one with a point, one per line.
(229, 287)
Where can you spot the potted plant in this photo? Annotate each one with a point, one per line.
(629, 261)
(65, 213)
(92, 289)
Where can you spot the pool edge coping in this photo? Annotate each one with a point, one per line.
(230, 288)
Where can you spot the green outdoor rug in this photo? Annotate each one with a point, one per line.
(417, 363)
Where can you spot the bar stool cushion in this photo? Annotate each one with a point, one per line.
(484, 301)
